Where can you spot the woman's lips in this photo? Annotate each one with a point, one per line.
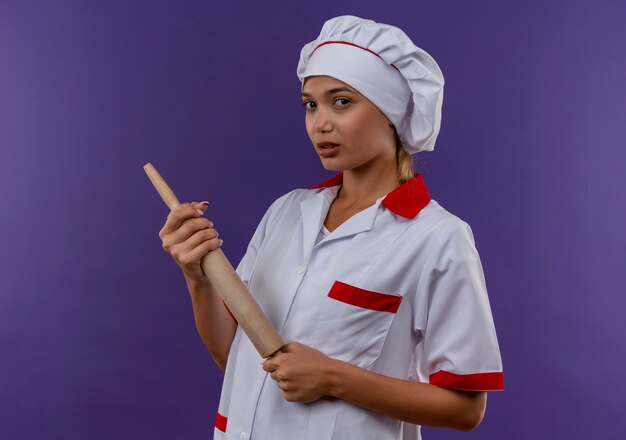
(328, 150)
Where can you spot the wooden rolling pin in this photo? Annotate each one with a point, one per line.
(229, 286)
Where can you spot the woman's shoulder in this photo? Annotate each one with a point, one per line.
(434, 213)
(290, 201)
(295, 196)
(441, 225)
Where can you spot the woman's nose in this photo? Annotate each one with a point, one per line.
(322, 121)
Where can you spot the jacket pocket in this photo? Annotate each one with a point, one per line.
(354, 323)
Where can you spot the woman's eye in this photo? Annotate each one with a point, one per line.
(341, 102)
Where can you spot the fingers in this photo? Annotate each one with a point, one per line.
(273, 362)
(192, 250)
(188, 229)
(187, 236)
(276, 374)
(200, 236)
(281, 377)
(177, 217)
(269, 365)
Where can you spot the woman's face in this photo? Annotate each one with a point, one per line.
(337, 113)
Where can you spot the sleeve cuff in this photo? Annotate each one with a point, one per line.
(468, 382)
(220, 422)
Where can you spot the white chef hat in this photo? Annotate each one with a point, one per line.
(383, 64)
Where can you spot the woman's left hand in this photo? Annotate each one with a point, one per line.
(302, 372)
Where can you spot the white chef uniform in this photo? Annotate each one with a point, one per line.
(398, 289)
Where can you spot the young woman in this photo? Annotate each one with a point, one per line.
(378, 289)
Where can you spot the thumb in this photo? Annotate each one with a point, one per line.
(202, 206)
(289, 348)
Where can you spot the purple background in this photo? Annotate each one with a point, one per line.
(97, 339)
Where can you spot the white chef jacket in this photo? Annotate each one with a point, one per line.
(397, 289)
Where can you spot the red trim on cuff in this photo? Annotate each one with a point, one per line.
(220, 422)
(368, 299)
(230, 313)
(468, 382)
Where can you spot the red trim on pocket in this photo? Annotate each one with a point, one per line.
(468, 382)
(230, 313)
(220, 422)
(382, 302)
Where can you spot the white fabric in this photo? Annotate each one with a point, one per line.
(323, 233)
(401, 79)
(443, 323)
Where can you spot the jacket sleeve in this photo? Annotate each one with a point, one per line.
(246, 264)
(459, 339)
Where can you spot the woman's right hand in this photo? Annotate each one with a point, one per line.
(187, 237)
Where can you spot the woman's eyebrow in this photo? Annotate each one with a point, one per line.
(331, 91)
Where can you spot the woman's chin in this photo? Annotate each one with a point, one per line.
(330, 167)
(333, 165)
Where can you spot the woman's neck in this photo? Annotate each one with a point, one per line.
(363, 188)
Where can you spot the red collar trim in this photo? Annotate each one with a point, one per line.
(406, 200)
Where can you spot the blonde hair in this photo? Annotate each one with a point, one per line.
(404, 161)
